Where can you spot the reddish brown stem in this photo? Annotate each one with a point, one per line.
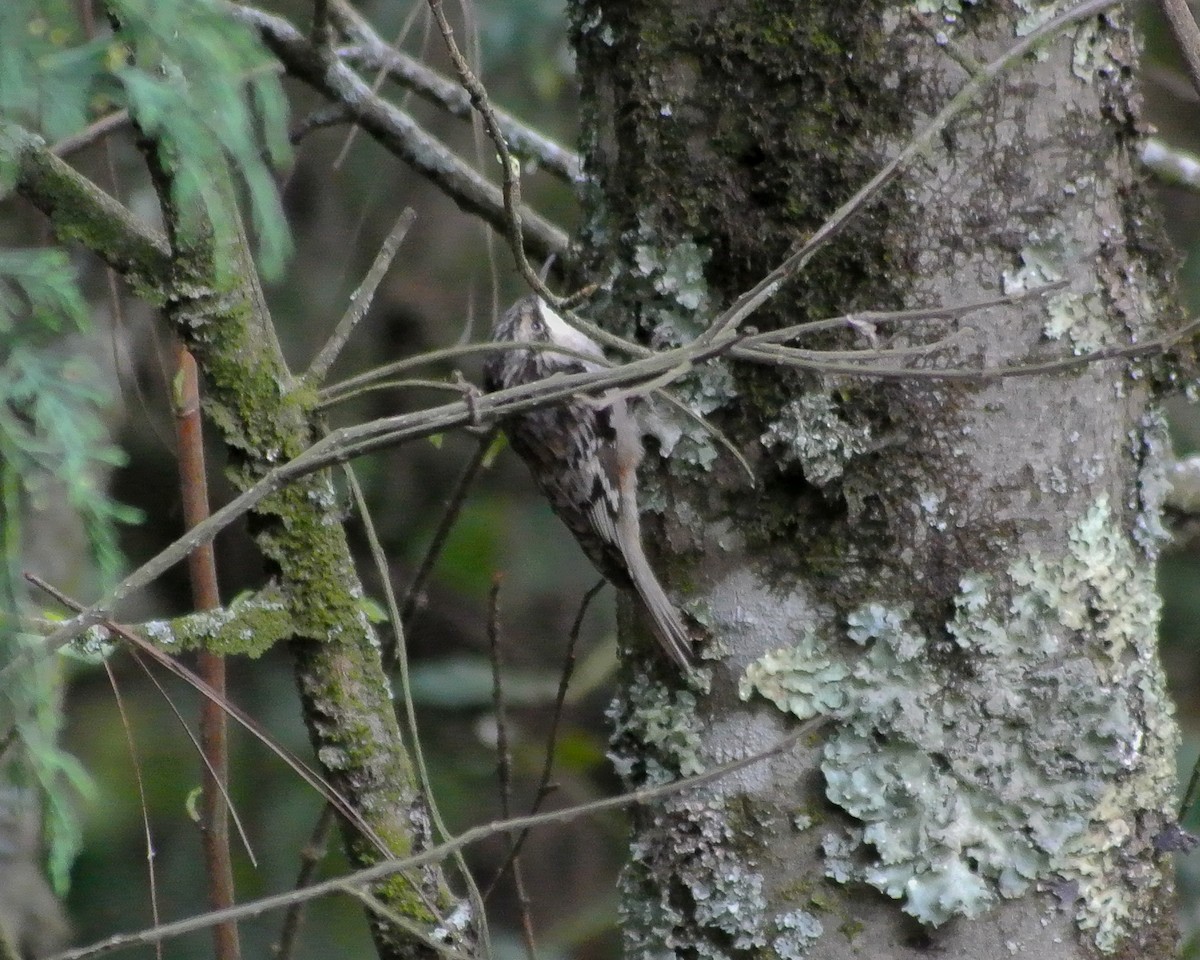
(202, 571)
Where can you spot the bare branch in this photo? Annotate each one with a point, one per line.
(91, 133)
(545, 788)
(454, 505)
(1187, 35)
(360, 300)
(330, 115)
(434, 854)
(372, 52)
(811, 361)
(214, 731)
(241, 829)
(396, 130)
(504, 758)
(510, 170)
(143, 803)
(310, 858)
(321, 33)
(345, 443)
(872, 317)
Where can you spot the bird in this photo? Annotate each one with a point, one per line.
(583, 453)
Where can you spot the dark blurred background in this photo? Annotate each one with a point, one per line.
(446, 282)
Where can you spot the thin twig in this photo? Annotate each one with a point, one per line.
(343, 444)
(560, 698)
(482, 155)
(1187, 35)
(90, 134)
(397, 131)
(380, 75)
(873, 317)
(410, 711)
(504, 758)
(372, 52)
(805, 360)
(712, 430)
(354, 386)
(544, 789)
(354, 441)
(637, 391)
(833, 358)
(380, 871)
(1189, 795)
(407, 383)
(166, 697)
(321, 34)
(143, 803)
(523, 911)
(340, 390)
(306, 773)
(331, 115)
(360, 300)
(310, 858)
(129, 382)
(510, 169)
(454, 505)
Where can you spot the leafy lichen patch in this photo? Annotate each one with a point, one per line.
(1024, 744)
(1080, 319)
(814, 434)
(799, 680)
(661, 730)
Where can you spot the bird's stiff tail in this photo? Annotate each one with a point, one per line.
(665, 621)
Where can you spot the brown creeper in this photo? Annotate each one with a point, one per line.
(584, 454)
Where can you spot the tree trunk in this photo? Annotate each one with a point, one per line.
(959, 573)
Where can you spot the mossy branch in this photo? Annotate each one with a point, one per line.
(339, 674)
(249, 626)
(212, 298)
(80, 211)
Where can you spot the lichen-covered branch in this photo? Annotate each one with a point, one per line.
(248, 627)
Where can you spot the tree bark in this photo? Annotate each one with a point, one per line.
(960, 574)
